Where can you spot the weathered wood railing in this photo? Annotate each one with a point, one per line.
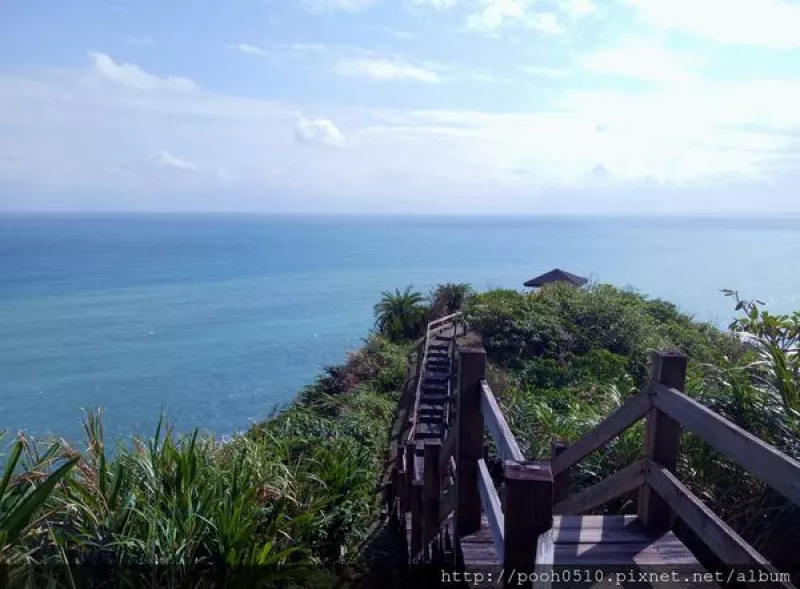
(667, 412)
(434, 327)
(452, 479)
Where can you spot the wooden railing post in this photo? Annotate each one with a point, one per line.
(432, 491)
(400, 481)
(528, 513)
(662, 438)
(416, 518)
(560, 481)
(469, 424)
(409, 478)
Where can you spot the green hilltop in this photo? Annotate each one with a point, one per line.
(297, 495)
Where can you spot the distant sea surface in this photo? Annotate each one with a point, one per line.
(217, 320)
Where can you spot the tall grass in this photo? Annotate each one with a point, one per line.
(290, 499)
(565, 358)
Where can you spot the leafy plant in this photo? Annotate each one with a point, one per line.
(448, 298)
(776, 340)
(400, 315)
(24, 495)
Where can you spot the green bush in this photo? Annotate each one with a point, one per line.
(295, 494)
(572, 356)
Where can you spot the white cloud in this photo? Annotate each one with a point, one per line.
(643, 61)
(545, 72)
(545, 22)
(318, 131)
(436, 4)
(768, 23)
(578, 8)
(338, 5)
(132, 76)
(249, 49)
(75, 139)
(164, 159)
(496, 14)
(385, 70)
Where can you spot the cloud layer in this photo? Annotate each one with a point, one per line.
(495, 106)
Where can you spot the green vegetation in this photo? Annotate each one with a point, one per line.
(562, 359)
(400, 315)
(448, 298)
(297, 492)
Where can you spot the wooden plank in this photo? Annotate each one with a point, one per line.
(448, 448)
(632, 531)
(662, 438)
(715, 533)
(447, 504)
(628, 479)
(400, 485)
(528, 506)
(447, 318)
(469, 423)
(408, 458)
(491, 507)
(416, 519)
(419, 449)
(765, 462)
(496, 422)
(561, 482)
(432, 491)
(666, 550)
(591, 522)
(624, 417)
(545, 547)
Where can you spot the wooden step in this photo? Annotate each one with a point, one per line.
(426, 431)
(591, 540)
(441, 359)
(436, 375)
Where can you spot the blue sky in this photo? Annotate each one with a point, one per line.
(460, 106)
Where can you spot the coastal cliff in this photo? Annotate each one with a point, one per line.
(296, 497)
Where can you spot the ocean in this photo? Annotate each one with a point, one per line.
(217, 320)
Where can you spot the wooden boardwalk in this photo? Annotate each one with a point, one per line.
(456, 517)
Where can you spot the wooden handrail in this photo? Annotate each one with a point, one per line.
(620, 420)
(447, 504)
(767, 463)
(492, 509)
(421, 361)
(717, 535)
(626, 480)
(457, 480)
(493, 418)
(443, 319)
(448, 448)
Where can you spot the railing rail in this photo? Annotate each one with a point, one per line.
(456, 481)
(422, 357)
(493, 417)
(668, 411)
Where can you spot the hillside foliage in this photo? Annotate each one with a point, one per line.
(296, 493)
(562, 359)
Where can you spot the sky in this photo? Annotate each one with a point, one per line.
(400, 106)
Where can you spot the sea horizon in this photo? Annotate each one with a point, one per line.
(218, 319)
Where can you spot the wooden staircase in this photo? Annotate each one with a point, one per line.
(456, 522)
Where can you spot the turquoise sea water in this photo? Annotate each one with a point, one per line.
(218, 319)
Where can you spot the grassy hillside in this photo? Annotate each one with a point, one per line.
(297, 492)
(562, 359)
